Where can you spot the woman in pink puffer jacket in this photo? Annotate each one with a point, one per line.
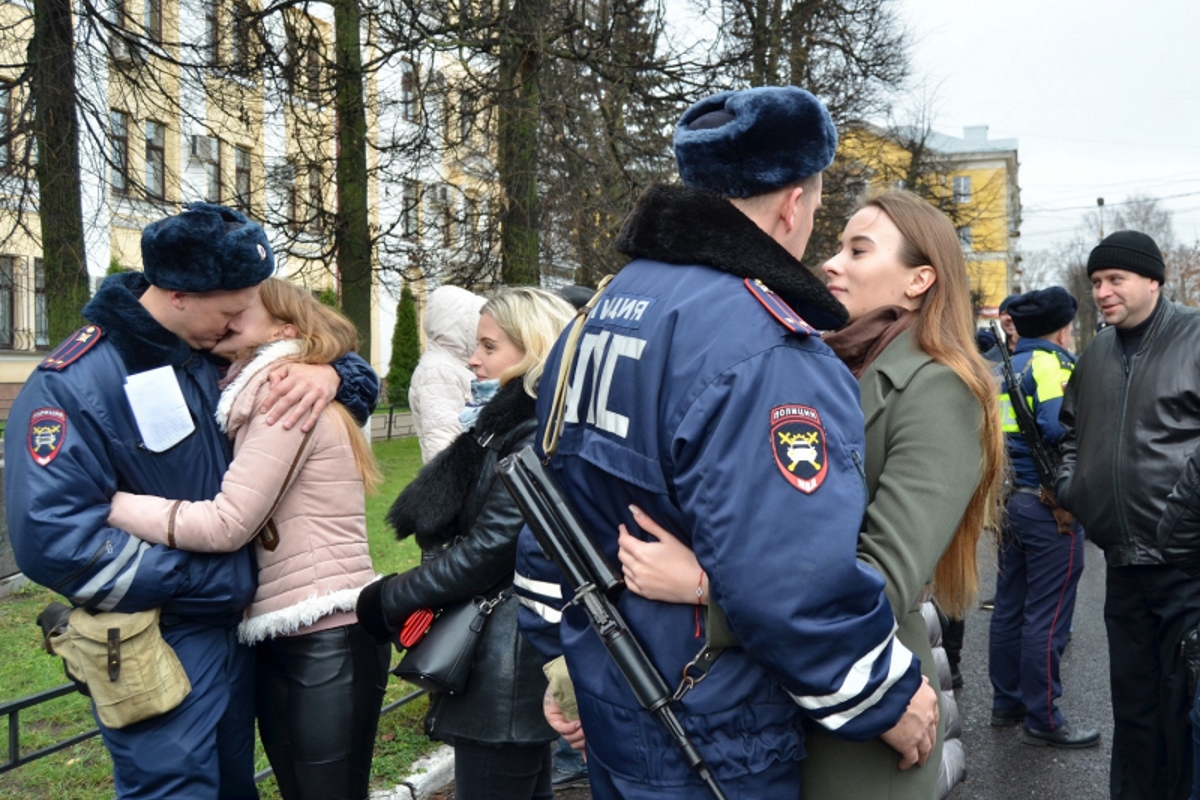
(300, 496)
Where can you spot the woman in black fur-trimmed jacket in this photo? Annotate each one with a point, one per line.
(467, 527)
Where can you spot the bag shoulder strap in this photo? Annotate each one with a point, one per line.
(554, 423)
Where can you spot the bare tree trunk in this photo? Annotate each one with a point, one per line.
(60, 195)
(520, 102)
(352, 233)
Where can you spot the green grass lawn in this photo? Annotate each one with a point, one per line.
(84, 772)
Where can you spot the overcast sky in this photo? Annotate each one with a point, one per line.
(1103, 97)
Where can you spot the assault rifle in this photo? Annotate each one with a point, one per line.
(1044, 459)
(596, 587)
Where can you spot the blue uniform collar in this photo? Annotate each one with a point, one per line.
(140, 340)
(693, 227)
(1031, 343)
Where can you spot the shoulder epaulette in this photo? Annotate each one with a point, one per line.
(779, 309)
(73, 348)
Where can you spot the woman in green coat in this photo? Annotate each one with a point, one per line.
(934, 460)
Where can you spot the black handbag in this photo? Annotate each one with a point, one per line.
(442, 659)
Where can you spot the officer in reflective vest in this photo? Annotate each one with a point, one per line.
(1039, 565)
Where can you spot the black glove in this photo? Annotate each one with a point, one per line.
(371, 614)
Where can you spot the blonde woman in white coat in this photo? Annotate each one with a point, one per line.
(441, 383)
(320, 676)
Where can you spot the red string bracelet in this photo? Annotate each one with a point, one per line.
(699, 598)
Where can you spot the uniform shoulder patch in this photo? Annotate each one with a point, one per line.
(47, 432)
(73, 348)
(798, 446)
(778, 309)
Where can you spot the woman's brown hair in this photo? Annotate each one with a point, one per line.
(325, 336)
(944, 329)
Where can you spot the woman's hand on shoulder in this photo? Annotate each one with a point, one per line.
(665, 569)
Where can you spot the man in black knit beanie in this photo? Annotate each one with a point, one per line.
(1130, 415)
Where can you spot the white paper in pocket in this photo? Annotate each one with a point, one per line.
(162, 415)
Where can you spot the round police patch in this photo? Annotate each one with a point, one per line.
(47, 431)
(798, 442)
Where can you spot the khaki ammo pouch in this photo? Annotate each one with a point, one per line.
(131, 672)
(562, 688)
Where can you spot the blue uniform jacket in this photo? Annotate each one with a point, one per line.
(72, 442)
(1043, 369)
(742, 434)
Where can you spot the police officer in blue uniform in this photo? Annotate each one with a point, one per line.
(1039, 565)
(701, 392)
(79, 431)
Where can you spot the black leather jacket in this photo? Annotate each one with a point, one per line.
(1129, 432)
(467, 524)
(1179, 529)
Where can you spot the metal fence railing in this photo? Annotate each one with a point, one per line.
(12, 711)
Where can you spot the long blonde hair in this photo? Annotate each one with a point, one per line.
(533, 319)
(325, 336)
(944, 329)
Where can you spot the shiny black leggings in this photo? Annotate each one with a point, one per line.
(318, 700)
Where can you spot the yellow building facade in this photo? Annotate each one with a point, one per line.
(973, 179)
(158, 134)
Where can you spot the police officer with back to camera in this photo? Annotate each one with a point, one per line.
(1041, 556)
(80, 430)
(1131, 415)
(700, 392)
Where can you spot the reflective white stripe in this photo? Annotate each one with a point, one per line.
(544, 588)
(855, 681)
(548, 613)
(113, 568)
(124, 582)
(901, 659)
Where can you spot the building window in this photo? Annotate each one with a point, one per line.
(241, 178)
(119, 159)
(41, 316)
(7, 290)
(156, 151)
(466, 116)
(212, 172)
(965, 237)
(6, 127)
(286, 182)
(152, 20)
(962, 188)
(314, 199)
(446, 215)
(408, 94)
(312, 68)
(411, 212)
(212, 32)
(242, 22)
(117, 13)
(472, 219)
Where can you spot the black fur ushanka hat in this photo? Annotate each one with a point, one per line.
(207, 248)
(753, 141)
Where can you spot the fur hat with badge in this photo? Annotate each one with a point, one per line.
(754, 141)
(207, 248)
(1042, 312)
(1131, 251)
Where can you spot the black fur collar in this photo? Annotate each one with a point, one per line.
(430, 505)
(140, 340)
(678, 225)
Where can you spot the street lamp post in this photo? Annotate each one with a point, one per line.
(1100, 203)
